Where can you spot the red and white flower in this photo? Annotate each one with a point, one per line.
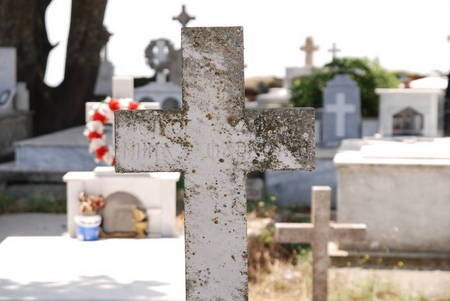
(103, 113)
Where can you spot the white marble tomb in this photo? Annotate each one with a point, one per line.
(411, 112)
(155, 191)
(399, 188)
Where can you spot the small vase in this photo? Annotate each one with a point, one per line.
(88, 226)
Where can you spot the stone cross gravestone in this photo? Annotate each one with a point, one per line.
(215, 142)
(341, 117)
(7, 78)
(318, 233)
(309, 48)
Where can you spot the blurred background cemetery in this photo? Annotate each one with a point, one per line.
(376, 74)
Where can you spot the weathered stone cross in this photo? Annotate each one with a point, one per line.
(318, 233)
(309, 49)
(215, 142)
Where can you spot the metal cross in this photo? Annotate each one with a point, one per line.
(184, 18)
(334, 50)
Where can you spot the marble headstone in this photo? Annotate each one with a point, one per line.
(7, 78)
(341, 111)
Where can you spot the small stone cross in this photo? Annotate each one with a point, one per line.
(309, 48)
(216, 143)
(334, 50)
(184, 18)
(340, 109)
(318, 233)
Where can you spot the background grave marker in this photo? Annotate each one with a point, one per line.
(341, 118)
(318, 233)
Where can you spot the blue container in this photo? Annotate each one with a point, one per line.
(88, 227)
(88, 233)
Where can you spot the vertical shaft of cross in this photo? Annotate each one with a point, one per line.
(122, 87)
(340, 115)
(215, 212)
(320, 214)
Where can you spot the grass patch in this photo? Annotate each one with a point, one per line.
(288, 282)
(283, 272)
(37, 203)
(267, 207)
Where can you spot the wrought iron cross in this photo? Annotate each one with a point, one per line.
(184, 18)
(334, 50)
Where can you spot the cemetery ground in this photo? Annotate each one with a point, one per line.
(276, 272)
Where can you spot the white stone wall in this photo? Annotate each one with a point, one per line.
(405, 207)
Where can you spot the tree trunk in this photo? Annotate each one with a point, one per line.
(447, 109)
(87, 37)
(22, 25)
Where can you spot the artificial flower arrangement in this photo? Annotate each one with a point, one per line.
(104, 113)
(91, 204)
(88, 220)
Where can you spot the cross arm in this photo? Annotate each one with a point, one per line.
(346, 233)
(294, 232)
(282, 139)
(304, 232)
(150, 140)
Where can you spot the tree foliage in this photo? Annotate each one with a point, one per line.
(369, 75)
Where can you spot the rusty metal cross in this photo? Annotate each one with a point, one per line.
(215, 142)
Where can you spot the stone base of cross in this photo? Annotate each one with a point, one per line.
(318, 234)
